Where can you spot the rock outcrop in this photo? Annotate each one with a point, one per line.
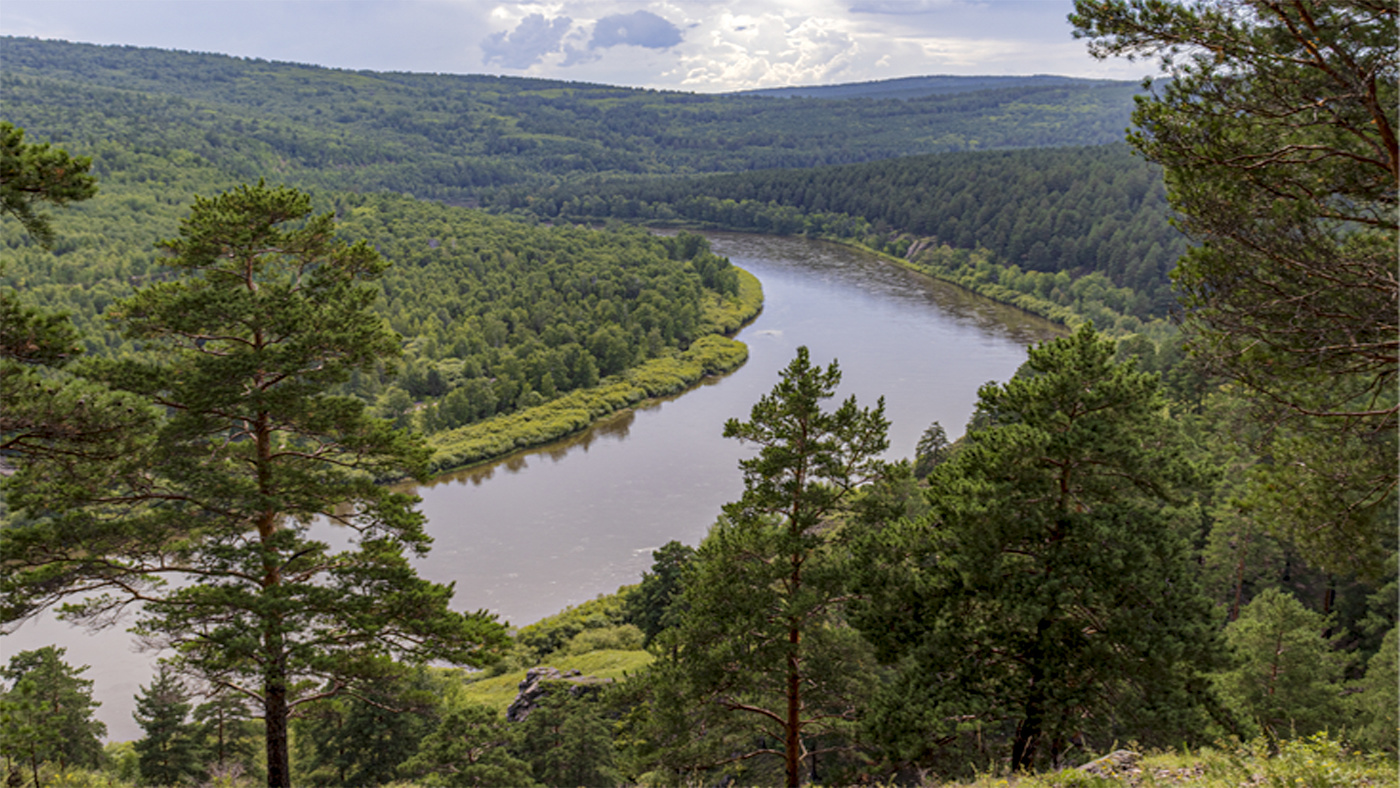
(1117, 764)
(536, 685)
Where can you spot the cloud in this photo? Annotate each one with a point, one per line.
(639, 28)
(708, 45)
(769, 49)
(528, 43)
(898, 6)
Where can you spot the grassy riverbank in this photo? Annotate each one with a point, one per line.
(1058, 298)
(713, 354)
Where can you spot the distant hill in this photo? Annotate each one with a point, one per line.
(1079, 210)
(918, 87)
(457, 138)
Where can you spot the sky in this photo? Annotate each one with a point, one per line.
(704, 46)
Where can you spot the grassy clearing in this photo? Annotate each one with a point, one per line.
(498, 691)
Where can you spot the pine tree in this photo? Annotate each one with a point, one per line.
(58, 430)
(1052, 582)
(469, 750)
(36, 173)
(1277, 132)
(46, 713)
(170, 753)
(759, 663)
(1286, 677)
(566, 740)
(229, 735)
(1376, 702)
(267, 314)
(363, 739)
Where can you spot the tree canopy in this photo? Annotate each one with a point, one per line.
(1052, 579)
(33, 173)
(1277, 134)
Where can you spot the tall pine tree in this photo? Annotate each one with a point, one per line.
(759, 664)
(266, 313)
(170, 753)
(46, 714)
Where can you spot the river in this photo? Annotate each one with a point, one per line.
(544, 529)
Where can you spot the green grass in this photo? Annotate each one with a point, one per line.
(498, 691)
(1314, 762)
(725, 316)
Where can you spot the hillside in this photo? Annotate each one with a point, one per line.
(455, 137)
(910, 87)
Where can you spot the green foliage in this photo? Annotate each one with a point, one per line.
(652, 605)
(268, 313)
(621, 638)
(567, 741)
(1053, 578)
(505, 316)
(575, 411)
(364, 739)
(1285, 677)
(46, 716)
(1058, 297)
(453, 137)
(932, 450)
(50, 414)
(502, 316)
(554, 633)
(35, 173)
(759, 656)
(1376, 704)
(468, 749)
(1277, 132)
(1082, 210)
(231, 738)
(1318, 760)
(170, 752)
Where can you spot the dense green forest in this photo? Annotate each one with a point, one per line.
(1079, 210)
(1180, 546)
(454, 137)
(503, 315)
(557, 148)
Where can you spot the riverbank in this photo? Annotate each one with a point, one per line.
(713, 354)
(1063, 299)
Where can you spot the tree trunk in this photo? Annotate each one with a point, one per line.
(279, 769)
(793, 733)
(1028, 731)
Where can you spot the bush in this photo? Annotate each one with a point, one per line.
(621, 638)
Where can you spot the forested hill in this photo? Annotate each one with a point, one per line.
(453, 137)
(912, 87)
(1079, 210)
